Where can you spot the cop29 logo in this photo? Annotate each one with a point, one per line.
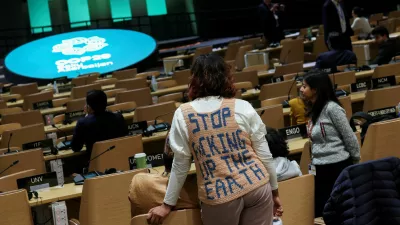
(80, 45)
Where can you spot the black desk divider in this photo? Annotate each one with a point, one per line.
(37, 182)
(360, 86)
(383, 82)
(136, 128)
(43, 105)
(390, 111)
(73, 116)
(294, 132)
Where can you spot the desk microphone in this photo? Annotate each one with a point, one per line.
(66, 145)
(285, 103)
(97, 156)
(12, 164)
(157, 127)
(9, 142)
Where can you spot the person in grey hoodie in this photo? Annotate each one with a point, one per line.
(285, 169)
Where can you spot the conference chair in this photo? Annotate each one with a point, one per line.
(275, 101)
(277, 90)
(343, 67)
(387, 70)
(297, 197)
(3, 104)
(23, 135)
(394, 14)
(232, 50)
(60, 102)
(252, 41)
(117, 158)
(85, 79)
(104, 199)
(256, 68)
(246, 76)
(343, 78)
(24, 118)
(9, 182)
(302, 33)
(202, 51)
(240, 63)
(345, 101)
(125, 74)
(290, 76)
(151, 112)
(148, 74)
(75, 105)
(122, 106)
(9, 126)
(141, 96)
(375, 18)
(176, 97)
(30, 100)
(243, 85)
(106, 81)
(321, 30)
(5, 98)
(382, 140)
(181, 77)
(390, 24)
(10, 110)
(81, 91)
(272, 116)
(305, 159)
(232, 65)
(132, 84)
(295, 67)
(166, 84)
(292, 51)
(112, 93)
(181, 217)
(381, 98)
(32, 159)
(354, 38)
(319, 46)
(24, 89)
(15, 208)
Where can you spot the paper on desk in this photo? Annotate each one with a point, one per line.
(56, 166)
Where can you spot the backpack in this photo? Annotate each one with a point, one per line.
(368, 121)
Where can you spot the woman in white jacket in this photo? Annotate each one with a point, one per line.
(285, 169)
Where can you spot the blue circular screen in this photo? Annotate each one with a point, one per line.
(81, 52)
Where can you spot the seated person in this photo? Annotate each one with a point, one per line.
(328, 61)
(148, 190)
(387, 47)
(297, 111)
(360, 22)
(98, 124)
(285, 169)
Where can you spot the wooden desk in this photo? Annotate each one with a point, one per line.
(271, 72)
(54, 194)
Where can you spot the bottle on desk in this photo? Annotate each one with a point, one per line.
(55, 87)
(154, 85)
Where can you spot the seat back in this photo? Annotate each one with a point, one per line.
(295, 67)
(149, 113)
(29, 100)
(16, 209)
(122, 106)
(76, 105)
(240, 64)
(292, 51)
(232, 50)
(166, 84)
(257, 68)
(246, 76)
(390, 24)
(181, 77)
(141, 97)
(176, 97)
(394, 14)
(107, 81)
(104, 199)
(23, 135)
(381, 98)
(132, 84)
(272, 116)
(319, 45)
(232, 65)
(10, 110)
(32, 159)
(277, 90)
(345, 101)
(202, 51)
(298, 203)
(125, 74)
(9, 182)
(305, 159)
(148, 74)
(181, 217)
(274, 101)
(382, 140)
(387, 70)
(117, 158)
(344, 78)
(81, 91)
(24, 118)
(24, 89)
(252, 41)
(9, 126)
(374, 18)
(3, 104)
(243, 85)
(113, 92)
(85, 79)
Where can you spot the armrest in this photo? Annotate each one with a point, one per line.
(73, 222)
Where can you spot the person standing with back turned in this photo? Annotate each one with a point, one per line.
(236, 176)
(334, 144)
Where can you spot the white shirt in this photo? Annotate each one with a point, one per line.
(247, 119)
(361, 23)
(342, 17)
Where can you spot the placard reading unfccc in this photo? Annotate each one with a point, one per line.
(81, 52)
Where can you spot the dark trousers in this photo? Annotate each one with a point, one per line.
(325, 178)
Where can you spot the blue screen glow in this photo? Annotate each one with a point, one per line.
(81, 52)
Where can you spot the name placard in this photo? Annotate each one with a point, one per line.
(43, 105)
(6, 89)
(74, 116)
(46, 144)
(65, 88)
(383, 82)
(153, 160)
(277, 79)
(390, 111)
(37, 182)
(294, 132)
(360, 86)
(137, 127)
